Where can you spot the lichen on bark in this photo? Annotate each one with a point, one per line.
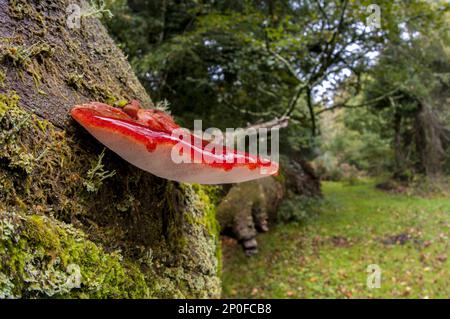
(44, 257)
(149, 237)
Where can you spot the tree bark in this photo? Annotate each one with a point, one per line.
(429, 144)
(64, 230)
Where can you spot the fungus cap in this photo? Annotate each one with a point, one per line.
(152, 141)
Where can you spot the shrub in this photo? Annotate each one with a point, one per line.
(298, 208)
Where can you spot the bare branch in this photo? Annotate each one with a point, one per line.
(281, 122)
(370, 102)
(285, 62)
(245, 111)
(294, 99)
(311, 111)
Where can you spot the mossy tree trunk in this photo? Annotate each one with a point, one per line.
(65, 229)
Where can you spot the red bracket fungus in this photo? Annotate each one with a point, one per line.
(146, 138)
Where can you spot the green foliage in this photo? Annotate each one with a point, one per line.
(299, 208)
(355, 142)
(415, 70)
(399, 123)
(210, 60)
(231, 63)
(208, 196)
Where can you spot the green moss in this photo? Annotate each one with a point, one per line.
(20, 56)
(27, 58)
(41, 257)
(21, 9)
(97, 174)
(52, 182)
(2, 78)
(8, 100)
(80, 82)
(280, 177)
(208, 199)
(120, 103)
(75, 80)
(31, 152)
(13, 121)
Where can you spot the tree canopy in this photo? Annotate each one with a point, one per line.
(236, 63)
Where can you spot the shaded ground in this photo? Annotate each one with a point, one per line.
(328, 256)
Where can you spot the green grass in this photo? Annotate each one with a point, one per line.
(327, 256)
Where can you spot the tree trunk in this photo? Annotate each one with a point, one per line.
(429, 144)
(65, 230)
(398, 147)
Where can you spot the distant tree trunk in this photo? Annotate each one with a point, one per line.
(429, 144)
(162, 34)
(249, 208)
(398, 146)
(130, 235)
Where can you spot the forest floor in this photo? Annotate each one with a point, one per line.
(328, 255)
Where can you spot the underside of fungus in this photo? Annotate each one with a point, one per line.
(152, 141)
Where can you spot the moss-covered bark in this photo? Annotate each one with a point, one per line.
(247, 208)
(44, 257)
(130, 233)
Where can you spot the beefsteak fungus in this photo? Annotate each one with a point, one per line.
(151, 140)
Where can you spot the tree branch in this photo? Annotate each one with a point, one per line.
(294, 99)
(285, 62)
(370, 102)
(311, 111)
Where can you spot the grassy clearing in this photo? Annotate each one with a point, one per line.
(328, 256)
